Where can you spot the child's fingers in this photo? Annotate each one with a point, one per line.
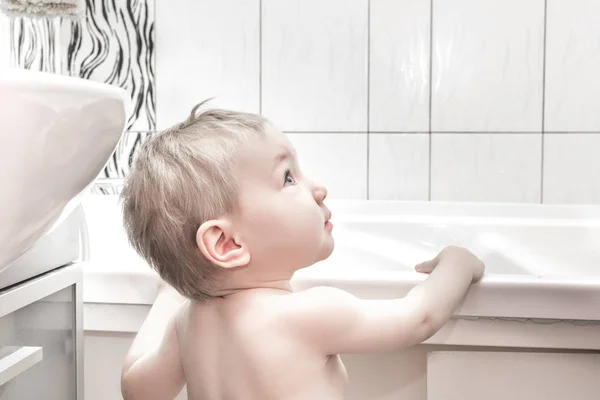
(427, 267)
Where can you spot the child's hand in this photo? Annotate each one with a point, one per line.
(457, 256)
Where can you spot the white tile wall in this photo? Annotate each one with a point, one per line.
(329, 71)
(572, 66)
(399, 166)
(571, 168)
(486, 167)
(206, 48)
(399, 65)
(314, 64)
(337, 160)
(4, 42)
(487, 65)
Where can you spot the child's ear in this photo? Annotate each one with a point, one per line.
(215, 240)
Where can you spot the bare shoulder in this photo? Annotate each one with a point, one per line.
(333, 295)
(317, 301)
(320, 310)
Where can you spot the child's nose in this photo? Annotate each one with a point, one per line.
(319, 192)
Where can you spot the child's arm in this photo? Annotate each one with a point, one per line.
(152, 368)
(335, 321)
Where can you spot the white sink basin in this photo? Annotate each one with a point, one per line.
(56, 135)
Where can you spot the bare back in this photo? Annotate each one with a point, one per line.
(238, 348)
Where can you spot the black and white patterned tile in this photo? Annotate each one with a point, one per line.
(115, 45)
(36, 43)
(5, 58)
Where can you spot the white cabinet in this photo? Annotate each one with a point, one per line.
(466, 375)
(41, 338)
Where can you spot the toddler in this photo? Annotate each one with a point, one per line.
(219, 207)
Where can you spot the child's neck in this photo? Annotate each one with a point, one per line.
(276, 286)
(248, 281)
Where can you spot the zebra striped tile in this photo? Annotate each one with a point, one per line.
(115, 45)
(35, 43)
(5, 58)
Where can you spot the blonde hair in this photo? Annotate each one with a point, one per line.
(181, 178)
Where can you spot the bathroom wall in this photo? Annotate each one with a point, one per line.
(472, 100)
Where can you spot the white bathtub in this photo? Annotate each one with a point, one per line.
(541, 291)
(543, 262)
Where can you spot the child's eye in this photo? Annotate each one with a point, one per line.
(288, 179)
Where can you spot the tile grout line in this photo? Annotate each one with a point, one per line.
(368, 95)
(260, 55)
(415, 132)
(430, 92)
(543, 99)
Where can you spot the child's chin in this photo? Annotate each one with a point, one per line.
(323, 255)
(327, 250)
